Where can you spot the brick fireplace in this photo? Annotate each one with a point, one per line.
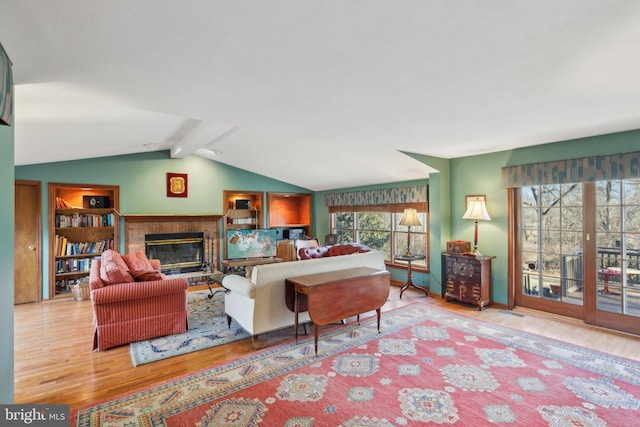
(136, 227)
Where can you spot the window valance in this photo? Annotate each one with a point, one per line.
(585, 169)
(385, 196)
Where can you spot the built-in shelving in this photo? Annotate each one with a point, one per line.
(79, 232)
(289, 211)
(237, 216)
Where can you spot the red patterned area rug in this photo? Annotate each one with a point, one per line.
(426, 366)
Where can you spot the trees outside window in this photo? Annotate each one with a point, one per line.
(378, 228)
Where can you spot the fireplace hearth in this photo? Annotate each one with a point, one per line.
(178, 252)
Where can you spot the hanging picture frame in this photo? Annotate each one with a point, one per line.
(177, 184)
(482, 197)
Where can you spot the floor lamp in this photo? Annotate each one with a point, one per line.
(476, 210)
(410, 219)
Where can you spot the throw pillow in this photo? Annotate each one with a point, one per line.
(301, 244)
(146, 275)
(113, 269)
(137, 261)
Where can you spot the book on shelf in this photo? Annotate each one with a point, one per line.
(243, 221)
(66, 248)
(73, 265)
(84, 220)
(63, 204)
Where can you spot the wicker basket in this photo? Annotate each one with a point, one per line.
(80, 291)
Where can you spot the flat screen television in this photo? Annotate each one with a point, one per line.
(257, 243)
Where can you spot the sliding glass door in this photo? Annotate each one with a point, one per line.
(551, 241)
(579, 248)
(617, 238)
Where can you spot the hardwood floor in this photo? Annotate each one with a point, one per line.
(54, 362)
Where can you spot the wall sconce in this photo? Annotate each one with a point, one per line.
(409, 219)
(477, 211)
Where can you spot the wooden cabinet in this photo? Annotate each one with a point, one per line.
(83, 222)
(286, 250)
(468, 279)
(290, 211)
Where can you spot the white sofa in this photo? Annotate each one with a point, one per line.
(258, 304)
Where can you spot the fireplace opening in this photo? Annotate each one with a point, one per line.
(177, 252)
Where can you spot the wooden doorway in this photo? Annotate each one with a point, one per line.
(27, 268)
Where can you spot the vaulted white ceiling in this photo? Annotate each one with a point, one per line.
(322, 94)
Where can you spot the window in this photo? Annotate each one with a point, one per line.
(551, 237)
(617, 230)
(378, 227)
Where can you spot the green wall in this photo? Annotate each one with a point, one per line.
(482, 175)
(7, 189)
(142, 181)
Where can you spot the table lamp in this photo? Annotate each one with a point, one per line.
(476, 210)
(409, 219)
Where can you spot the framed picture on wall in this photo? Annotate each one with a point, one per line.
(475, 197)
(177, 184)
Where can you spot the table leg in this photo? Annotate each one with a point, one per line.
(315, 337)
(378, 311)
(295, 310)
(212, 293)
(410, 283)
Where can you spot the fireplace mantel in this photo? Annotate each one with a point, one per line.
(169, 218)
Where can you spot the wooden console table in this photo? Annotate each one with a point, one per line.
(336, 295)
(230, 265)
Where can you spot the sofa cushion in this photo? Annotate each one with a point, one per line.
(240, 285)
(146, 275)
(347, 249)
(308, 253)
(137, 261)
(113, 269)
(302, 244)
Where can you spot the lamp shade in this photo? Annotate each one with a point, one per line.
(477, 210)
(410, 218)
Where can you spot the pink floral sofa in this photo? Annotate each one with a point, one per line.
(133, 301)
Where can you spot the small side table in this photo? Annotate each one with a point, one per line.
(216, 277)
(409, 283)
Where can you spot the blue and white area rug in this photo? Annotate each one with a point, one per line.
(207, 328)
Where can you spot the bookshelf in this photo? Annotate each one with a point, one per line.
(83, 222)
(290, 211)
(237, 219)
